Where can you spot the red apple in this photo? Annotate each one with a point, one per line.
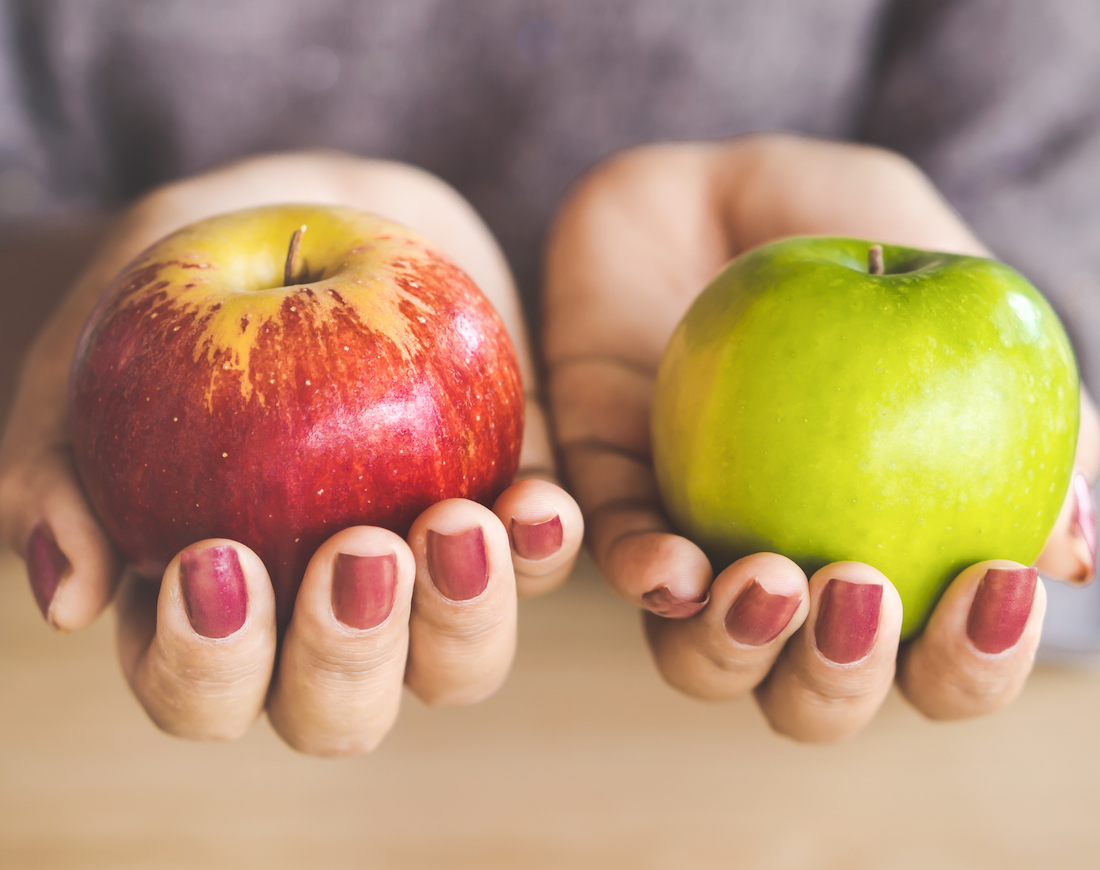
(248, 380)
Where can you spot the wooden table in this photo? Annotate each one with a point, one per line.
(584, 760)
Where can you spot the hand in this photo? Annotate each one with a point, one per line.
(632, 247)
(436, 611)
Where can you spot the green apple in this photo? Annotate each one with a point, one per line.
(830, 399)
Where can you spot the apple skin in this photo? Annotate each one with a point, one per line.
(921, 420)
(209, 400)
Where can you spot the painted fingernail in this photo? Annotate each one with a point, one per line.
(537, 540)
(214, 590)
(1084, 520)
(847, 620)
(363, 589)
(1001, 607)
(758, 616)
(46, 566)
(458, 564)
(663, 602)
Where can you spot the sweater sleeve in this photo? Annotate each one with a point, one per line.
(999, 102)
(23, 164)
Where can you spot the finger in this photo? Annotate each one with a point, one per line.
(546, 530)
(1070, 550)
(755, 605)
(71, 564)
(462, 632)
(337, 689)
(603, 428)
(834, 673)
(663, 573)
(199, 654)
(977, 650)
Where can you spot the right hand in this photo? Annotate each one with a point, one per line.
(199, 651)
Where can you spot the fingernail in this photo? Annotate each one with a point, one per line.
(1001, 607)
(363, 589)
(46, 566)
(214, 591)
(458, 564)
(537, 540)
(758, 616)
(847, 620)
(662, 602)
(1084, 520)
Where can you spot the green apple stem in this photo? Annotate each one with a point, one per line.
(294, 270)
(875, 266)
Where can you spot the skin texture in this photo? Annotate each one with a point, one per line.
(633, 246)
(333, 689)
(806, 407)
(279, 415)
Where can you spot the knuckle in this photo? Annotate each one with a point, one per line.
(327, 741)
(440, 695)
(531, 584)
(739, 666)
(179, 721)
(200, 702)
(820, 732)
(332, 747)
(944, 686)
(445, 674)
(461, 629)
(977, 693)
(844, 690)
(335, 669)
(810, 717)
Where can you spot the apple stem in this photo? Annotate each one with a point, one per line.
(294, 268)
(875, 266)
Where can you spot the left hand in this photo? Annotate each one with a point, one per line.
(633, 245)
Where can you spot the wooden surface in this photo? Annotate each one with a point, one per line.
(584, 759)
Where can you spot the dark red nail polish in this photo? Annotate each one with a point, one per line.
(46, 566)
(458, 564)
(537, 540)
(662, 602)
(847, 620)
(1001, 607)
(214, 590)
(363, 589)
(758, 616)
(1084, 519)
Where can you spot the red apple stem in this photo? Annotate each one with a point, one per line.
(293, 271)
(875, 265)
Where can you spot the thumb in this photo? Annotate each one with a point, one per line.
(72, 566)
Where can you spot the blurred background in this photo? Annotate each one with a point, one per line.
(585, 759)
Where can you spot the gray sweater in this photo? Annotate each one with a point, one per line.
(510, 100)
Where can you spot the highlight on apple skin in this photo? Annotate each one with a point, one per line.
(274, 375)
(830, 399)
